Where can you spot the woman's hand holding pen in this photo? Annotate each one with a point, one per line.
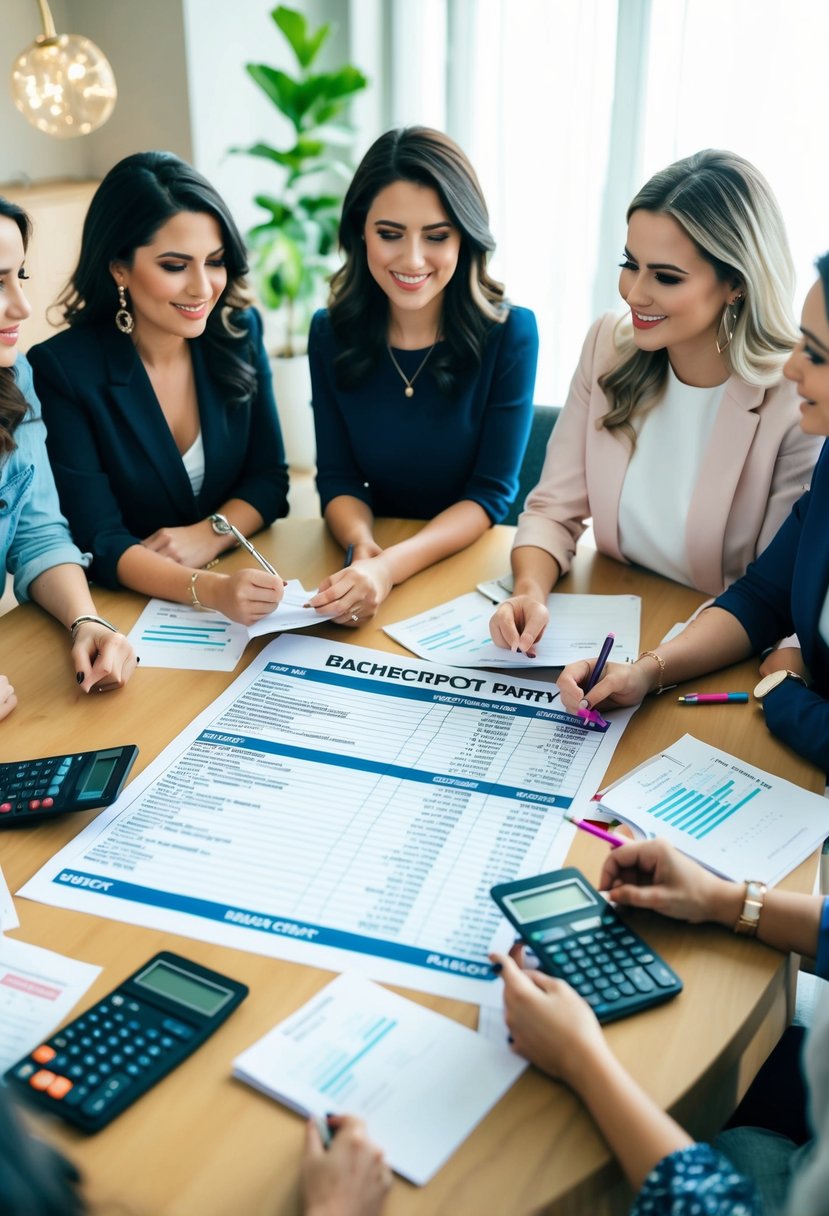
(354, 594)
(519, 623)
(549, 1023)
(245, 595)
(620, 684)
(349, 1178)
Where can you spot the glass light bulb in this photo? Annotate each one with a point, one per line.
(64, 86)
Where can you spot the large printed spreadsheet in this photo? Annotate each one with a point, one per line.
(338, 807)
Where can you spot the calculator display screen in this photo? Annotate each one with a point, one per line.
(555, 900)
(98, 776)
(184, 987)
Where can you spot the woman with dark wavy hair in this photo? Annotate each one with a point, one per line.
(35, 545)
(422, 373)
(158, 397)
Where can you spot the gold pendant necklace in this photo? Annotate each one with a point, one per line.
(409, 389)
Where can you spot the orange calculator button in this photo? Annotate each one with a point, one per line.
(44, 1053)
(59, 1088)
(42, 1079)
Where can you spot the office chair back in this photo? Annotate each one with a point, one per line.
(544, 419)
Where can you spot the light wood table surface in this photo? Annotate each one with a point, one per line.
(203, 1143)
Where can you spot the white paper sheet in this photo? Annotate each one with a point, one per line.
(421, 1081)
(8, 913)
(198, 639)
(733, 818)
(38, 988)
(343, 808)
(458, 632)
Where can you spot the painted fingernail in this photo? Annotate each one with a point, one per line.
(497, 968)
(79, 677)
(510, 1039)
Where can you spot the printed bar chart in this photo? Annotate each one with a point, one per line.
(699, 813)
(732, 817)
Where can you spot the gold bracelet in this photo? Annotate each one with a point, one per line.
(651, 654)
(196, 601)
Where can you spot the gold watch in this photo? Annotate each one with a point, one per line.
(774, 680)
(749, 918)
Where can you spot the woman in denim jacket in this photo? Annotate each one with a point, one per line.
(35, 545)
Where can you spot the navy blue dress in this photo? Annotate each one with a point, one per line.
(412, 457)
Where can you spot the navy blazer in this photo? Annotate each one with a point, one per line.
(783, 592)
(119, 474)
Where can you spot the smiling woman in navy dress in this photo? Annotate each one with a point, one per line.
(422, 374)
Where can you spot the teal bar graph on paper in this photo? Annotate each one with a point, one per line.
(698, 812)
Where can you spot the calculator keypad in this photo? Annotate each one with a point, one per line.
(90, 1063)
(33, 785)
(609, 965)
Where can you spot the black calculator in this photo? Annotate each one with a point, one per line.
(33, 790)
(99, 1064)
(579, 937)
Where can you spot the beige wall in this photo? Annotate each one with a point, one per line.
(57, 212)
(144, 41)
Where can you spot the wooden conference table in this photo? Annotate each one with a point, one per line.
(203, 1143)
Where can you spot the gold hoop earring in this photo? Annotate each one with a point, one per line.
(728, 323)
(124, 319)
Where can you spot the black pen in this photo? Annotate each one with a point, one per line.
(349, 556)
(604, 653)
(326, 1132)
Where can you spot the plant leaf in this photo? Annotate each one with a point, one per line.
(282, 89)
(295, 28)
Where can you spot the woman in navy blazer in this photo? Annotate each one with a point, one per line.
(786, 589)
(158, 398)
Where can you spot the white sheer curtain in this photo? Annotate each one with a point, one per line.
(530, 99)
(566, 107)
(751, 76)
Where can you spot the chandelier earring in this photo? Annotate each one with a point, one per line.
(123, 317)
(728, 323)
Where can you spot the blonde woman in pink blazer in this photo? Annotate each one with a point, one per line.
(679, 436)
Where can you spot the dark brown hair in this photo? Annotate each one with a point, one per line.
(139, 195)
(13, 404)
(472, 301)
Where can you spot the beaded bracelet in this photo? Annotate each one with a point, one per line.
(651, 654)
(97, 620)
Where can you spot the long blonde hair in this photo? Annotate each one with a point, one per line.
(728, 210)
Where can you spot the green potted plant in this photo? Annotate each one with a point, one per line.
(294, 249)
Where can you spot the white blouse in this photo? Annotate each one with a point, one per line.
(193, 461)
(662, 475)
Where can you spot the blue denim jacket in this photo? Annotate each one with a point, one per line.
(34, 536)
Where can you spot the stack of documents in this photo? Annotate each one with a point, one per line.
(736, 820)
(421, 1081)
(458, 632)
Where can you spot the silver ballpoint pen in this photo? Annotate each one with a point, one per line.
(224, 525)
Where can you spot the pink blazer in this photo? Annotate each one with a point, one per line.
(756, 465)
